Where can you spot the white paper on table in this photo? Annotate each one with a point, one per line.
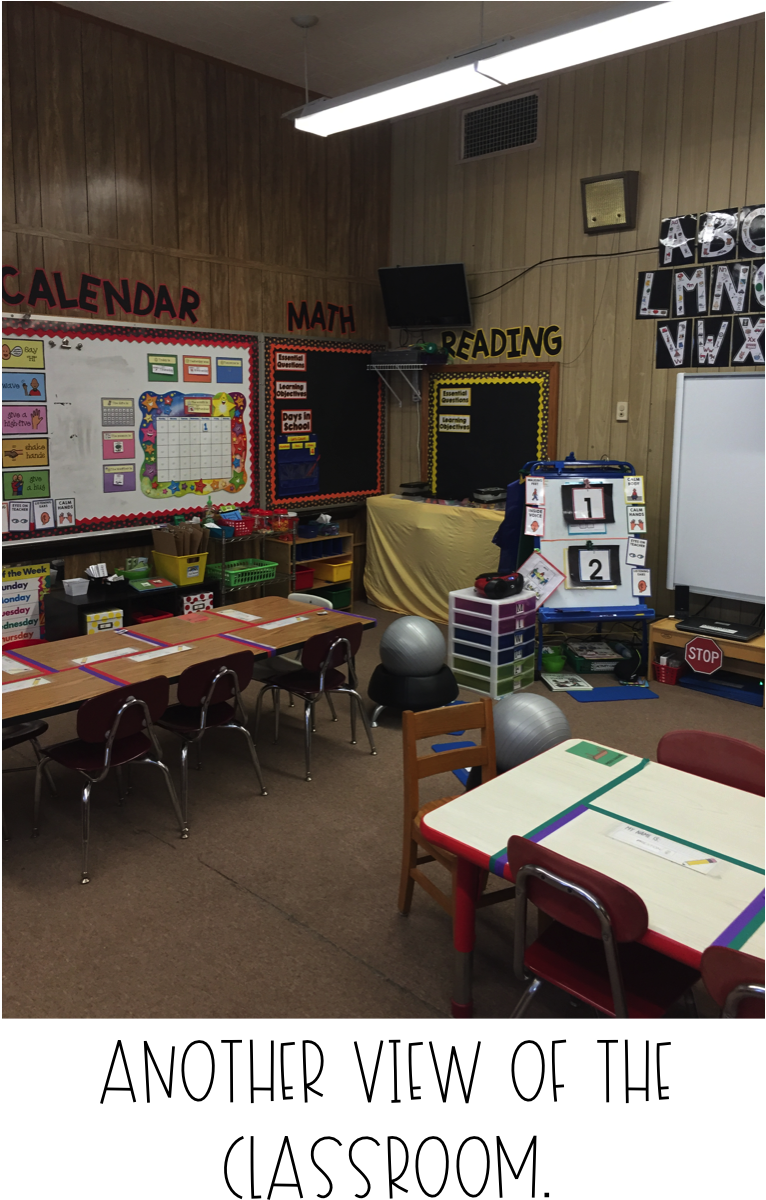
(685, 856)
(158, 653)
(11, 667)
(285, 621)
(237, 615)
(105, 654)
(23, 683)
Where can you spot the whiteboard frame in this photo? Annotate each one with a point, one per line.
(672, 582)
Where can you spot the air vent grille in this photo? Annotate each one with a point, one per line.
(503, 126)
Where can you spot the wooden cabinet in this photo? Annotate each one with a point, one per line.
(329, 559)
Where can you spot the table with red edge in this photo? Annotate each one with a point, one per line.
(572, 804)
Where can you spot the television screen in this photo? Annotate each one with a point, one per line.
(434, 297)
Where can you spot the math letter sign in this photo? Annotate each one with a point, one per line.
(703, 655)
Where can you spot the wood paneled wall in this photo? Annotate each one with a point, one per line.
(689, 118)
(128, 157)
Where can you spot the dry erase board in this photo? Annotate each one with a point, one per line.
(107, 425)
(323, 423)
(481, 424)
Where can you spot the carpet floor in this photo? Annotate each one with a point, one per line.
(276, 906)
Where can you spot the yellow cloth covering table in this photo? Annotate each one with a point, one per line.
(418, 553)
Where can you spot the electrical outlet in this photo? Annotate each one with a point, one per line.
(622, 410)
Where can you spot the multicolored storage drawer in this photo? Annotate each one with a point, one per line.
(492, 642)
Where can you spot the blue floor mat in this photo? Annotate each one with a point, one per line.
(613, 693)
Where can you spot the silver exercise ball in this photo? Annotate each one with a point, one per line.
(526, 725)
(413, 646)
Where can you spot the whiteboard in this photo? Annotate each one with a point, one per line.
(106, 425)
(716, 535)
(559, 538)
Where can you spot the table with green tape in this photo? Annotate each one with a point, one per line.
(574, 799)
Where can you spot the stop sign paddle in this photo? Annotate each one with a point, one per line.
(703, 655)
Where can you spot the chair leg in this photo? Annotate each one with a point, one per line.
(85, 878)
(157, 762)
(365, 719)
(407, 883)
(527, 998)
(39, 755)
(690, 1003)
(332, 706)
(185, 781)
(292, 700)
(352, 714)
(253, 755)
(120, 784)
(39, 770)
(198, 754)
(308, 721)
(275, 700)
(376, 713)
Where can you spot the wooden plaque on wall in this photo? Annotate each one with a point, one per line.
(481, 424)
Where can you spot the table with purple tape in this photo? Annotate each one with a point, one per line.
(691, 848)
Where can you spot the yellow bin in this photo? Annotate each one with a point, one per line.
(186, 568)
(334, 570)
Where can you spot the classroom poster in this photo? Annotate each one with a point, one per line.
(117, 424)
(24, 590)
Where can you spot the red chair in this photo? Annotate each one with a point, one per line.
(619, 978)
(112, 730)
(735, 981)
(204, 694)
(319, 676)
(714, 756)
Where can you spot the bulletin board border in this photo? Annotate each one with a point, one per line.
(271, 346)
(151, 335)
(454, 374)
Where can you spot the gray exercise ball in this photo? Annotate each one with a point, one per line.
(526, 725)
(413, 646)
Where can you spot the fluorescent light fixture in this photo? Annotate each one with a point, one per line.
(408, 93)
(574, 44)
(600, 35)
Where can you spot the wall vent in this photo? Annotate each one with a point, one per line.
(503, 126)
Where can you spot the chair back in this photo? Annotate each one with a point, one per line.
(625, 909)
(732, 978)
(311, 600)
(714, 756)
(96, 718)
(332, 649)
(477, 715)
(194, 684)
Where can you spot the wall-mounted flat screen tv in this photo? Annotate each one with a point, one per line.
(433, 297)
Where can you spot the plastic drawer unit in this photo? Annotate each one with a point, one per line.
(492, 642)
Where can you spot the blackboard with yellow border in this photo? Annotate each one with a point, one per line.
(481, 424)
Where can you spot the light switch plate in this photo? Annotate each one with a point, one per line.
(622, 410)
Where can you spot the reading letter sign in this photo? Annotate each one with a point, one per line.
(703, 655)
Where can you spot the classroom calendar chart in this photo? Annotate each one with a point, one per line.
(114, 424)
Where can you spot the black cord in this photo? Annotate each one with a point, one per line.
(560, 258)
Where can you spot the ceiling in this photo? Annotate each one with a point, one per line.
(352, 46)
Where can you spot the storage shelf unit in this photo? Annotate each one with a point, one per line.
(291, 553)
(492, 642)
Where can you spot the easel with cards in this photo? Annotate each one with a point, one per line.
(588, 519)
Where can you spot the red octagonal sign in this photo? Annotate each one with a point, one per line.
(703, 655)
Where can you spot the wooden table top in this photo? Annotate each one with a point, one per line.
(73, 670)
(574, 804)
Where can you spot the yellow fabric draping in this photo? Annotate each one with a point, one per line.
(418, 553)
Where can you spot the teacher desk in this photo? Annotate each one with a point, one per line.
(267, 626)
(573, 804)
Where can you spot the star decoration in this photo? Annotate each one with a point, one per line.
(149, 404)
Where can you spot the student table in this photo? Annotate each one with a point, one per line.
(572, 801)
(74, 670)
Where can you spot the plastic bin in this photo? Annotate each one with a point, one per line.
(244, 571)
(304, 578)
(665, 674)
(334, 570)
(338, 593)
(150, 614)
(100, 622)
(76, 587)
(184, 569)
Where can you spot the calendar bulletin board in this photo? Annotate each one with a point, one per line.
(482, 424)
(324, 423)
(106, 425)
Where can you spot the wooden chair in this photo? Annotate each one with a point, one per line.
(735, 981)
(591, 950)
(417, 850)
(714, 756)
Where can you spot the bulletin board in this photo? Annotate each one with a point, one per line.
(109, 425)
(481, 424)
(324, 423)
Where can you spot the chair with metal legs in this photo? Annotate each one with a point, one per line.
(319, 676)
(113, 730)
(591, 950)
(210, 697)
(17, 735)
(735, 981)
